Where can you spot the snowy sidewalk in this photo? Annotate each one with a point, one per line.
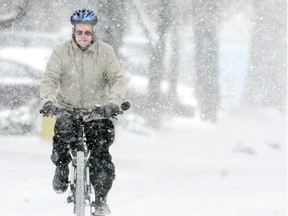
(234, 168)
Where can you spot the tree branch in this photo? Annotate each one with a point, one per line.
(148, 26)
(21, 12)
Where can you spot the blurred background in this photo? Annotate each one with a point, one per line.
(207, 82)
(181, 58)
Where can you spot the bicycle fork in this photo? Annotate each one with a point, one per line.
(80, 156)
(87, 187)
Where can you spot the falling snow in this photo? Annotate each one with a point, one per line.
(207, 81)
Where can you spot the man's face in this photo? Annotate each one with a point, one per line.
(83, 34)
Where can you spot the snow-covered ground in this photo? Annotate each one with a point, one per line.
(35, 57)
(236, 167)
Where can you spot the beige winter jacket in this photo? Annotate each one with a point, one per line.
(82, 79)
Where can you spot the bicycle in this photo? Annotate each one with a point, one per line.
(80, 189)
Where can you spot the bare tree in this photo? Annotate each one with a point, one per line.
(13, 12)
(176, 19)
(267, 75)
(173, 69)
(155, 100)
(112, 17)
(206, 14)
(156, 25)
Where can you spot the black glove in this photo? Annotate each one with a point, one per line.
(111, 110)
(48, 109)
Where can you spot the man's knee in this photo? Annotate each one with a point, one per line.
(64, 131)
(60, 158)
(64, 136)
(100, 133)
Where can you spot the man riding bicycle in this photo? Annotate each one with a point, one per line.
(81, 73)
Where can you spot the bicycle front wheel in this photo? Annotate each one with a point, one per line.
(80, 182)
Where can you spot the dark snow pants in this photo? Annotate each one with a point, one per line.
(99, 136)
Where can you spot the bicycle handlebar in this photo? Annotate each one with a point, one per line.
(96, 110)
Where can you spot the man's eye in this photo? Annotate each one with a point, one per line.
(88, 33)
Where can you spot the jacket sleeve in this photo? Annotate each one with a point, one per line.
(115, 78)
(50, 79)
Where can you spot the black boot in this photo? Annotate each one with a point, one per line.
(101, 208)
(60, 180)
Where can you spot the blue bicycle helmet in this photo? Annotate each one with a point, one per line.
(84, 16)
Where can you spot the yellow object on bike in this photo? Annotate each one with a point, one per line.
(47, 127)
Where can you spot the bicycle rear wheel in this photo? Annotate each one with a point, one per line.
(80, 185)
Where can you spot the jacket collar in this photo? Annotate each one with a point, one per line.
(92, 47)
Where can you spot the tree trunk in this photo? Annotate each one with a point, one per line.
(206, 59)
(174, 71)
(155, 102)
(266, 82)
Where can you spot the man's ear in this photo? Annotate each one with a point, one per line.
(93, 33)
(94, 30)
(73, 31)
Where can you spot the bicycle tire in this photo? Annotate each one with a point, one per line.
(80, 185)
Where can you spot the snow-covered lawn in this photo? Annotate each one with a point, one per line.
(236, 167)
